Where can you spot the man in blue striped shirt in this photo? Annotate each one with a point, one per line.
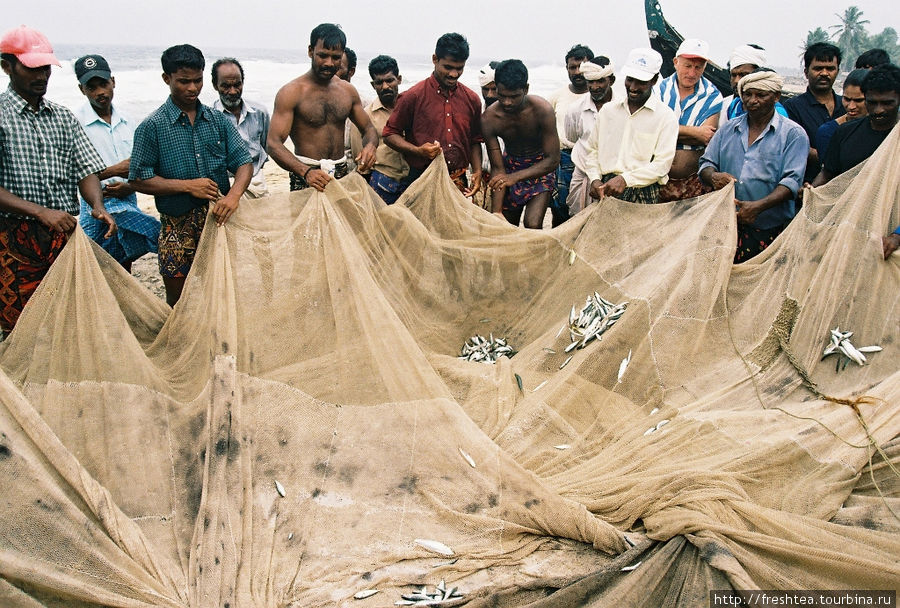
(696, 102)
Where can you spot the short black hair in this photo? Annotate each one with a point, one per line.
(579, 51)
(221, 62)
(882, 78)
(873, 57)
(511, 75)
(182, 56)
(601, 60)
(855, 78)
(351, 58)
(453, 46)
(820, 51)
(382, 65)
(10, 58)
(331, 35)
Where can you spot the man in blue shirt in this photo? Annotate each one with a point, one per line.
(182, 155)
(764, 154)
(112, 135)
(250, 118)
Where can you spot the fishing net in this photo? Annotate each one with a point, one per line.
(288, 433)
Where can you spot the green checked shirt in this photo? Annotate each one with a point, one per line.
(44, 153)
(167, 145)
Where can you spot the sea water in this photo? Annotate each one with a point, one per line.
(140, 88)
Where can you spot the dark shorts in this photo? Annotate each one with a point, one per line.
(300, 183)
(27, 249)
(179, 237)
(751, 241)
(519, 193)
(388, 189)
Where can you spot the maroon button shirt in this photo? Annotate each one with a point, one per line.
(428, 112)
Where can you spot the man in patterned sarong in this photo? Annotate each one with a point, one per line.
(523, 178)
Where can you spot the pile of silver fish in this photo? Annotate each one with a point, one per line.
(841, 346)
(477, 348)
(592, 320)
(442, 595)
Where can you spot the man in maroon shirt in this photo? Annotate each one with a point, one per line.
(438, 115)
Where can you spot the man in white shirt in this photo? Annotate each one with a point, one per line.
(112, 134)
(560, 100)
(600, 75)
(631, 148)
(251, 119)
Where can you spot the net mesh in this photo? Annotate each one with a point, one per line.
(316, 346)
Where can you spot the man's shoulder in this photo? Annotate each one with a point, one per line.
(797, 101)
(160, 114)
(61, 110)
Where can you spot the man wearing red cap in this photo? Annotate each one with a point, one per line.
(45, 159)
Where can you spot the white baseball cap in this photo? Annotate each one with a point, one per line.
(694, 47)
(642, 64)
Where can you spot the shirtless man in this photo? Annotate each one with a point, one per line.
(525, 175)
(312, 109)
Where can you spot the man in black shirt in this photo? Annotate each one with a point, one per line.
(819, 103)
(855, 141)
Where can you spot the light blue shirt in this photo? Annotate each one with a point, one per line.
(253, 125)
(778, 156)
(111, 140)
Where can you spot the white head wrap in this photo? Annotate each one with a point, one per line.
(592, 71)
(485, 75)
(761, 81)
(746, 54)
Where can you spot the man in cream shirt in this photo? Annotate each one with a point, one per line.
(630, 151)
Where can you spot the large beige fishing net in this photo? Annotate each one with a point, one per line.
(316, 346)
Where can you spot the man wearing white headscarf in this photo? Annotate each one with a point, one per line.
(600, 75)
(764, 155)
(482, 198)
(745, 59)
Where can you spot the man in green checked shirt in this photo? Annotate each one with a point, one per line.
(182, 155)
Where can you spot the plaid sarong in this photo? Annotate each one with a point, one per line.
(648, 195)
(27, 249)
(519, 193)
(138, 232)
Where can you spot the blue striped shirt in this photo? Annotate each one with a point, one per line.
(693, 110)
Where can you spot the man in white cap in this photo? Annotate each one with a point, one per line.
(45, 159)
(600, 75)
(630, 150)
(764, 155)
(482, 198)
(696, 102)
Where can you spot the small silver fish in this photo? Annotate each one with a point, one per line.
(467, 457)
(280, 489)
(566, 362)
(434, 546)
(633, 567)
(361, 595)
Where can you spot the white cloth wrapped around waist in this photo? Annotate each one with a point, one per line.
(324, 164)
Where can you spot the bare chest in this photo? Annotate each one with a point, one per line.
(319, 110)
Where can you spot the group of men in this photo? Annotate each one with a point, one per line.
(668, 139)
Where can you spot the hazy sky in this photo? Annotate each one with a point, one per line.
(500, 29)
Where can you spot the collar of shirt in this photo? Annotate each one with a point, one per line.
(741, 124)
(587, 104)
(218, 106)
(20, 105)
(174, 113)
(88, 116)
(653, 104)
(815, 102)
(442, 91)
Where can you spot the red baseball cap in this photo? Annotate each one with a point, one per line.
(29, 46)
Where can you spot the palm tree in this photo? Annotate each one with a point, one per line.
(851, 34)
